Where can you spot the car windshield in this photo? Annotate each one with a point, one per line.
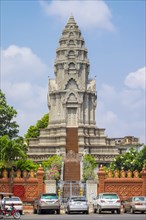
(12, 199)
(49, 196)
(78, 199)
(109, 196)
(140, 199)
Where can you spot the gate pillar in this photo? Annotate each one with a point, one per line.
(91, 190)
(51, 186)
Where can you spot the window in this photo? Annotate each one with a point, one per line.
(71, 53)
(71, 34)
(78, 199)
(49, 196)
(71, 66)
(110, 196)
(139, 199)
(12, 199)
(71, 43)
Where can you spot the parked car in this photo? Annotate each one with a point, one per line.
(135, 204)
(16, 201)
(77, 204)
(107, 202)
(47, 202)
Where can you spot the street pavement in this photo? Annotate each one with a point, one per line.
(105, 216)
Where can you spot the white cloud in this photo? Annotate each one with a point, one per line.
(122, 112)
(24, 82)
(21, 64)
(88, 14)
(136, 79)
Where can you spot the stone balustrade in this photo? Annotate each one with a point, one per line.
(26, 185)
(124, 183)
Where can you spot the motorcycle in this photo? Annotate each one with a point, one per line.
(10, 212)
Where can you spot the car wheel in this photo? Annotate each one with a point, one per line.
(58, 211)
(124, 210)
(39, 211)
(1, 215)
(118, 211)
(94, 209)
(16, 215)
(98, 210)
(21, 212)
(131, 210)
(34, 211)
(67, 211)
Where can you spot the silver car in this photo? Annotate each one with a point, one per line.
(107, 202)
(47, 202)
(135, 204)
(77, 204)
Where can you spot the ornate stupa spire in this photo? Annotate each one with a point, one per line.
(71, 61)
(71, 20)
(71, 88)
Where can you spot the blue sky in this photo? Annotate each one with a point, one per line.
(114, 34)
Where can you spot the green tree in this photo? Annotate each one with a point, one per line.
(7, 113)
(11, 150)
(89, 164)
(26, 164)
(131, 160)
(34, 130)
(141, 157)
(52, 167)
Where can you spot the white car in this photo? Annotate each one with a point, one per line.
(107, 202)
(77, 204)
(16, 201)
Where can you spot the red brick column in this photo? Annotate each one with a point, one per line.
(101, 178)
(143, 173)
(40, 177)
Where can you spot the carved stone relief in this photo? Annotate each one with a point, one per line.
(71, 84)
(72, 156)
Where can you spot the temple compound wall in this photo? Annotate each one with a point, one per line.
(28, 185)
(125, 184)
